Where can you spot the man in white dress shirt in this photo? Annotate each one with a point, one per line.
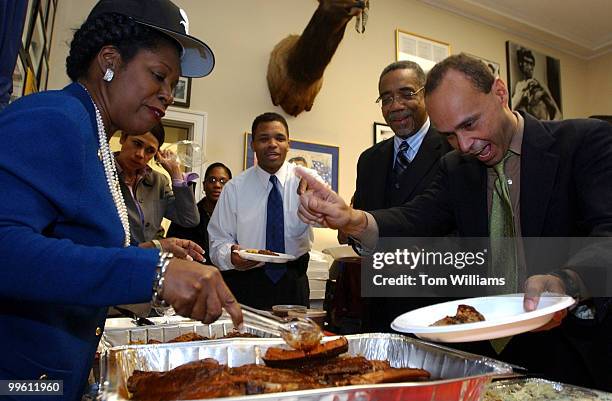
(255, 204)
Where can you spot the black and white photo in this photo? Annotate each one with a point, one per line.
(534, 82)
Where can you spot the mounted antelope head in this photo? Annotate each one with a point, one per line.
(297, 63)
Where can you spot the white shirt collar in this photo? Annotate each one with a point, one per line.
(281, 174)
(414, 142)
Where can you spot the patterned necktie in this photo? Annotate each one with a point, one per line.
(401, 163)
(503, 246)
(275, 230)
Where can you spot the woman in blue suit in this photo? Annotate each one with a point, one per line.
(64, 232)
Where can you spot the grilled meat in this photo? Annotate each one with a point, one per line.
(287, 358)
(391, 375)
(465, 314)
(188, 337)
(315, 369)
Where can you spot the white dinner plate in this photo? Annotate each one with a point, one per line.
(258, 257)
(504, 316)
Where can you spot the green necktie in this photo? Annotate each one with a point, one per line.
(501, 232)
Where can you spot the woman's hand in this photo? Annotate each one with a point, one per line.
(168, 160)
(181, 248)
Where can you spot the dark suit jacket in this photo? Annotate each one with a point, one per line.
(376, 163)
(566, 190)
(373, 174)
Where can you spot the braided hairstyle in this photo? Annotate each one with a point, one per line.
(127, 35)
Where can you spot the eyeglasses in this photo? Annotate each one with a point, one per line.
(401, 96)
(214, 180)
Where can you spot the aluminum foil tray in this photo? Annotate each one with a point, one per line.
(456, 375)
(113, 336)
(533, 389)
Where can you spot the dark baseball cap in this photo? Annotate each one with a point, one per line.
(197, 60)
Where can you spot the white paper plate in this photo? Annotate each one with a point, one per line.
(257, 257)
(504, 316)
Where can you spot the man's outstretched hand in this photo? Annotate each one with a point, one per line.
(320, 205)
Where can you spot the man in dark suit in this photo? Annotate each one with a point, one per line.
(389, 175)
(559, 181)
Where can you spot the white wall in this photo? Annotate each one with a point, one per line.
(599, 85)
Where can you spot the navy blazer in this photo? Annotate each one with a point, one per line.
(61, 242)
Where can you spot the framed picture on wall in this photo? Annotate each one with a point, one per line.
(50, 20)
(44, 7)
(37, 42)
(382, 132)
(182, 92)
(534, 82)
(27, 25)
(322, 158)
(19, 77)
(43, 75)
(493, 66)
(426, 52)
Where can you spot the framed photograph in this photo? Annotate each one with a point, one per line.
(43, 75)
(426, 52)
(49, 25)
(182, 92)
(44, 7)
(534, 82)
(27, 24)
(493, 66)
(382, 132)
(322, 158)
(19, 77)
(37, 42)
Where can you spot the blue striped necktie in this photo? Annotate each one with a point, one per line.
(401, 163)
(275, 230)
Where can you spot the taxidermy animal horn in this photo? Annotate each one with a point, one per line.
(297, 63)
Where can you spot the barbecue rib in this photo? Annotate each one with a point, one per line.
(292, 358)
(316, 369)
(465, 314)
(208, 379)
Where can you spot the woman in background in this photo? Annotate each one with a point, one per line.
(148, 196)
(215, 178)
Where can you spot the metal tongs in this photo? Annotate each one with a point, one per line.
(300, 333)
(137, 320)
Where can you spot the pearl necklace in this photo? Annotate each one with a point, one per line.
(110, 170)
